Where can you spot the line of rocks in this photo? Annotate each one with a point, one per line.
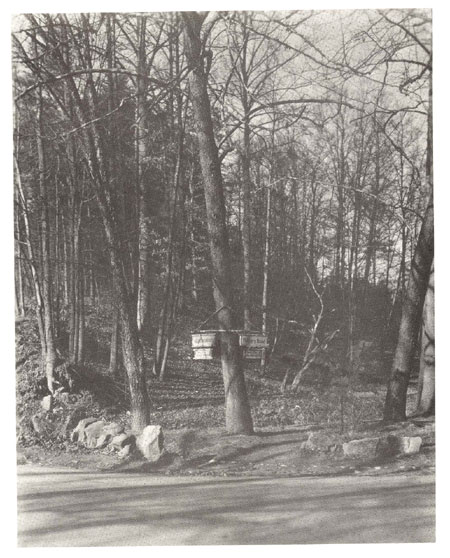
(390, 445)
(93, 433)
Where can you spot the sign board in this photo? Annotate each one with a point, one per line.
(204, 339)
(203, 354)
(253, 340)
(252, 353)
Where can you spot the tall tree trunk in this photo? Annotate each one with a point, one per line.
(312, 232)
(266, 274)
(30, 253)
(50, 354)
(237, 409)
(426, 390)
(191, 216)
(20, 299)
(80, 336)
(246, 179)
(340, 225)
(114, 348)
(395, 406)
(412, 308)
(143, 294)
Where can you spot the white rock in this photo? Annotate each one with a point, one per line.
(150, 442)
(47, 403)
(365, 447)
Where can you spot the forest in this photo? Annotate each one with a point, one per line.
(238, 173)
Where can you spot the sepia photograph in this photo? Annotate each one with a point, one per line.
(224, 276)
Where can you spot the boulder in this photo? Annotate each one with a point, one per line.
(382, 446)
(78, 433)
(150, 442)
(363, 448)
(408, 445)
(399, 445)
(41, 425)
(38, 424)
(122, 440)
(125, 451)
(103, 440)
(21, 459)
(319, 441)
(92, 433)
(47, 403)
(72, 419)
(113, 428)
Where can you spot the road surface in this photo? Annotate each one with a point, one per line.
(64, 507)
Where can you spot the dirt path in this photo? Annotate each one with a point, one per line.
(66, 507)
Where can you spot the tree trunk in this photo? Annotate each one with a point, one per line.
(50, 354)
(20, 299)
(412, 307)
(80, 336)
(114, 348)
(266, 275)
(237, 409)
(143, 294)
(426, 392)
(191, 216)
(246, 180)
(32, 262)
(395, 406)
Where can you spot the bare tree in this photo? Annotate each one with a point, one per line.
(237, 409)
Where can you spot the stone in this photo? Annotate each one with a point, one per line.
(409, 445)
(125, 451)
(47, 403)
(122, 440)
(92, 433)
(319, 441)
(64, 397)
(394, 445)
(72, 419)
(21, 459)
(150, 443)
(113, 428)
(363, 448)
(103, 440)
(406, 445)
(78, 432)
(39, 424)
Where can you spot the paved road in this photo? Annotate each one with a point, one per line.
(63, 507)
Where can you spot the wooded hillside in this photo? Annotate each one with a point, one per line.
(270, 170)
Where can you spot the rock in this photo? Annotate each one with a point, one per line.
(150, 442)
(78, 433)
(47, 403)
(21, 459)
(399, 445)
(72, 419)
(122, 440)
(103, 440)
(125, 451)
(365, 448)
(39, 425)
(319, 441)
(408, 445)
(92, 433)
(64, 397)
(113, 428)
